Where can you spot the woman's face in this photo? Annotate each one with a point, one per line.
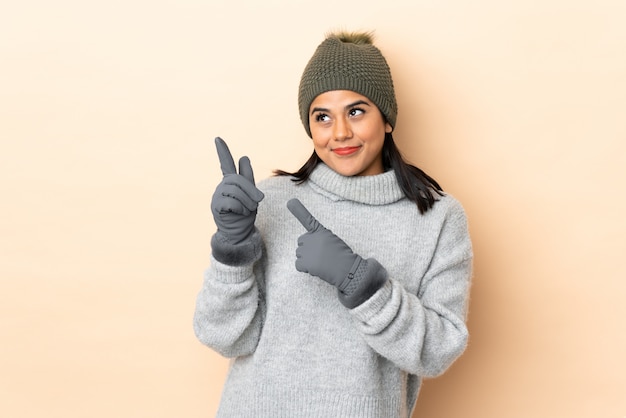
(348, 132)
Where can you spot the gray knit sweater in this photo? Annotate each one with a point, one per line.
(297, 351)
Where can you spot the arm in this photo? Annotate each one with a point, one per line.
(424, 333)
(228, 314)
(229, 307)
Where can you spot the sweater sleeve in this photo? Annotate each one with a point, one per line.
(425, 333)
(229, 307)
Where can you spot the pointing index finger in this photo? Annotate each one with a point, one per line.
(303, 215)
(226, 159)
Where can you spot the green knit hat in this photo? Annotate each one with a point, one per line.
(348, 61)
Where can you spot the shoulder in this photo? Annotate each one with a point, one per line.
(273, 182)
(454, 224)
(446, 206)
(277, 191)
(449, 215)
(451, 204)
(277, 185)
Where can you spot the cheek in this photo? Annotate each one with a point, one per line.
(319, 141)
(374, 134)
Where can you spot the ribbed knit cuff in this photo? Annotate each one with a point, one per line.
(236, 254)
(368, 278)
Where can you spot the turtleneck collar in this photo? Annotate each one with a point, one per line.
(380, 189)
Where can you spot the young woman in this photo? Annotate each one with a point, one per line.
(337, 288)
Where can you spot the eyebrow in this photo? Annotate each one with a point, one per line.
(350, 106)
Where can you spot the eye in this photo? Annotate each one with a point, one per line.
(356, 111)
(322, 117)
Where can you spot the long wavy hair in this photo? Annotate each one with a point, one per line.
(418, 186)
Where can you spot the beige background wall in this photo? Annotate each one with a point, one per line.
(107, 116)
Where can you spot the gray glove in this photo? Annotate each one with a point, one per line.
(322, 253)
(236, 198)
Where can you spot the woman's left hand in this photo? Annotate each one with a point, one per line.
(322, 253)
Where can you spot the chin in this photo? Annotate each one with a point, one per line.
(348, 173)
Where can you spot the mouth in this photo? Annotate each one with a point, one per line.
(345, 150)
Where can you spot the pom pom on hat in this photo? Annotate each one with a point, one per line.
(348, 61)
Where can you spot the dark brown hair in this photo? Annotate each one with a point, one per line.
(417, 186)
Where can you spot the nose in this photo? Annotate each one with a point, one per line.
(342, 130)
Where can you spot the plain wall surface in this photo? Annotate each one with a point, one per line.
(107, 165)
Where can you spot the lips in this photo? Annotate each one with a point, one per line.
(345, 150)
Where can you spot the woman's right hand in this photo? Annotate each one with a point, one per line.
(236, 198)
